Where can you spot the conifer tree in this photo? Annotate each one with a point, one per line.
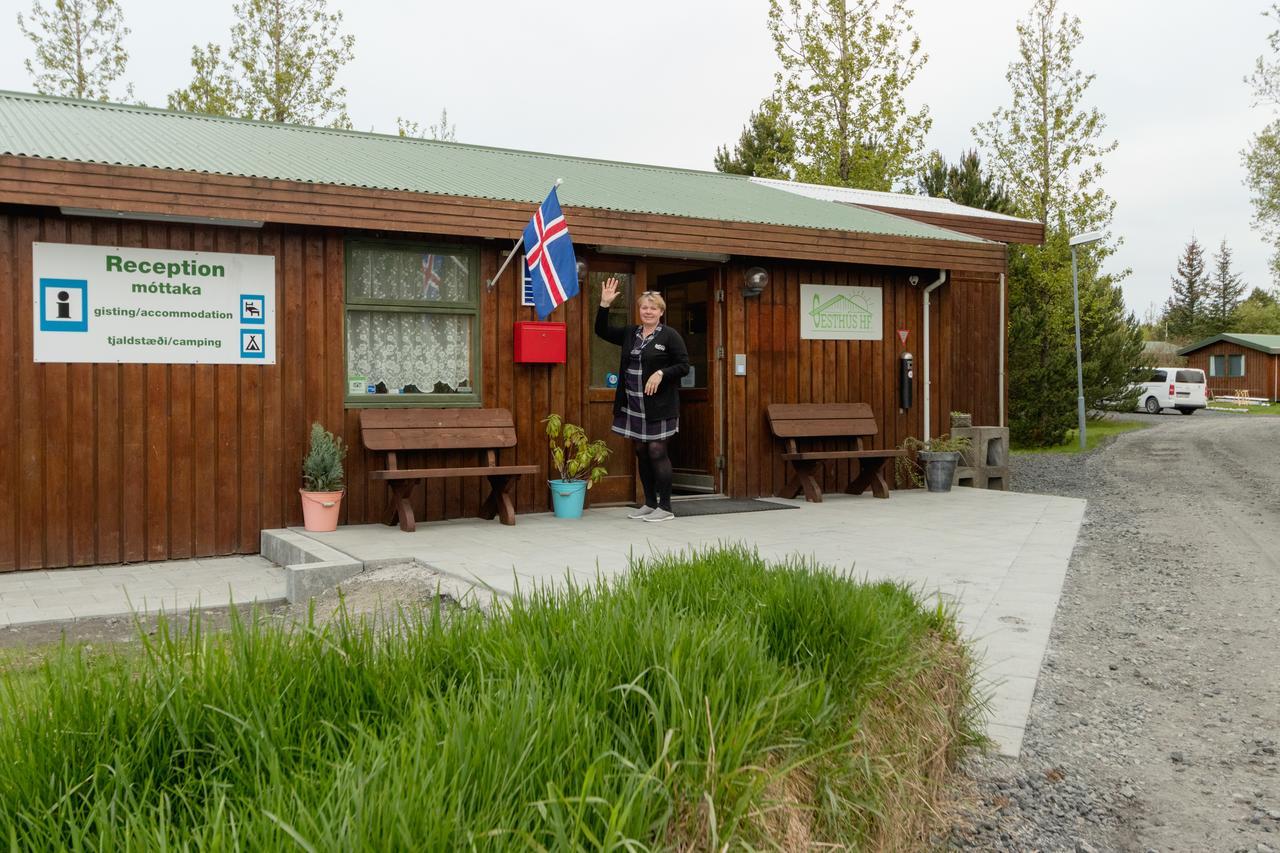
(766, 148)
(965, 182)
(79, 48)
(1186, 313)
(1224, 291)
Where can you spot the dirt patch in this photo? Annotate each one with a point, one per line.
(385, 592)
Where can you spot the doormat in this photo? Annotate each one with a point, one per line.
(720, 506)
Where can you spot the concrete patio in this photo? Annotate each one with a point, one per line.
(1000, 557)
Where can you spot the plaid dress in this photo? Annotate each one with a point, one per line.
(632, 423)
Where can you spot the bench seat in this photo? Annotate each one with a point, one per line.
(844, 454)
(439, 473)
(486, 431)
(804, 422)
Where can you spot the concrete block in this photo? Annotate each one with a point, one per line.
(990, 446)
(307, 580)
(310, 567)
(982, 477)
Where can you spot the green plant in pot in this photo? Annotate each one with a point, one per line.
(578, 460)
(961, 420)
(936, 458)
(322, 480)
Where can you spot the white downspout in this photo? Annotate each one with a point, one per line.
(1000, 367)
(942, 277)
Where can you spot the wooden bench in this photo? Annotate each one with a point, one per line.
(396, 431)
(796, 422)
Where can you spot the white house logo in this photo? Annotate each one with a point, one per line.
(64, 305)
(840, 313)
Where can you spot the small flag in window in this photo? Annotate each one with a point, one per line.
(432, 271)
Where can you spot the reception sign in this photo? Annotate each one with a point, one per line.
(152, 306)
(841, 313)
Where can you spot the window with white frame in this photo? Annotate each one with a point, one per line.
(412, 323)
(1231, 366)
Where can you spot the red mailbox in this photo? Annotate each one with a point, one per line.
(540, 342)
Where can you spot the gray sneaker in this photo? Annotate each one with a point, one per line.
(642, 512)
(660, 515)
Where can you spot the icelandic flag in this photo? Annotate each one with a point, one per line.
(549, 257)
(432, 273)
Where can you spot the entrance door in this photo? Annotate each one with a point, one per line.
(619, 486)
(691, 305)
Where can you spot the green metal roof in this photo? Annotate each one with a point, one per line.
(1265, 343)
(116, 134)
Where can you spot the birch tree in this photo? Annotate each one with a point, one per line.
(1262, 155)
(1047, 148)
(282, 66)
(846, 68)
(79, 48)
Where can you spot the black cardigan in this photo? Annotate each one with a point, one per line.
(666, 352)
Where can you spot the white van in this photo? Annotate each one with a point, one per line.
(1180, 388)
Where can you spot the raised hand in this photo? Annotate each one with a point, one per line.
(608, 292)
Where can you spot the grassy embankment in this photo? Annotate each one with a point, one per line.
(702, 702)
(1095, 433)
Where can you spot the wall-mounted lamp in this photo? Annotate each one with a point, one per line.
(582, 270)
(754, 281)
(914, 279)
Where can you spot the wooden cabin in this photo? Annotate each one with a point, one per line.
(373, 254)
(1238, 365)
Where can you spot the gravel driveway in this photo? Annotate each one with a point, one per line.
(1156, 721)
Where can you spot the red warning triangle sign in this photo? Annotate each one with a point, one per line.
(902, 334)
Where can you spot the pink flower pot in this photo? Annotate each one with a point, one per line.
(320, 510)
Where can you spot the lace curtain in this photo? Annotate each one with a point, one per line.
(429, 351)
(409, 351)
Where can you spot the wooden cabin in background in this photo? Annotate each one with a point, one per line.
(1238, 365)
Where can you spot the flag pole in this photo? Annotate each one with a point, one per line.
(489, 285)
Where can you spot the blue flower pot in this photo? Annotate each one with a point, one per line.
(567, 497)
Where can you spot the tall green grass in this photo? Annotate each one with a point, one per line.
(702, 701)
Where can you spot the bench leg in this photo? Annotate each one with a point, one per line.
(870, 473)
(499, 502)
(802, 479)
(400, 505)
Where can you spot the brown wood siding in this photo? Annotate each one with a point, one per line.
(782, 368)
(1260, 371)
(130, 462)
(26, 180)
(1000, 230)
(123, 463)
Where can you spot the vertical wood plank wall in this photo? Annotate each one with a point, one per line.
(782, 368)
(1259, 378)
(106, 463)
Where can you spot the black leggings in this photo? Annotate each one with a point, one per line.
(655, 472)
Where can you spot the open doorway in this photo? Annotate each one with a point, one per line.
(692, 309)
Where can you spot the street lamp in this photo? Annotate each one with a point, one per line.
(1079, 240)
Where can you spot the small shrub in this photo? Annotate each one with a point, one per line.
(322, 466)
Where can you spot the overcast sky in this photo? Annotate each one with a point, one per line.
(666, 81)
